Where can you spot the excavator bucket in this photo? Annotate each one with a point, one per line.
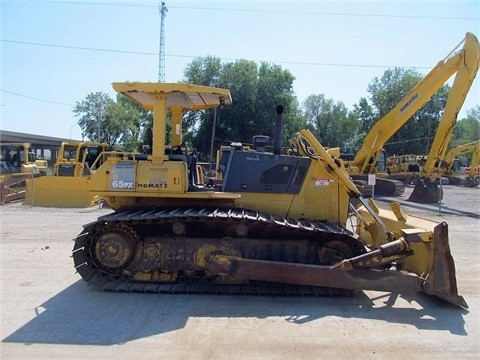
(426, 192)
(430, 268)
(471, 181)
(59, 191)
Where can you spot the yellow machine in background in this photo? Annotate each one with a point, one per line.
(464, 63)
(451, 168)
(17, 164)
(277, 223)
(68, 187)
(370, 156)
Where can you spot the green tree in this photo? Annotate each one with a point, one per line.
(365, 115)
(330, 121)
(468, 129)
(416, 135)
(92, 114)
(255, 89)
(204, 71)
(118, 124)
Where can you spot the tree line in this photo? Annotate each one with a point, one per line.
(256, 89)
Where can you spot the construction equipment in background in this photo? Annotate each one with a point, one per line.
(405, 167)
(277, 224)
(68, 187)
(473, 175)
(20, 158)
(464, 63)
(371, 158)
(451, 165)
(18, 163)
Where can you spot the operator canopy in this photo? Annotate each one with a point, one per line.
(189, 97)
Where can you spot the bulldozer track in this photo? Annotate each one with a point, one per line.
(257, 289)
(268, 225)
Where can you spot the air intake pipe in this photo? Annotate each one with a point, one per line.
(277, 145)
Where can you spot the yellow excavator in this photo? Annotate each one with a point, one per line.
(451, 169)
(464, 63)
(68, 187)
(278, 223)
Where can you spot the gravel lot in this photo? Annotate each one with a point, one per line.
(48, 312)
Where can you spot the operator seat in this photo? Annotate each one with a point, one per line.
(179, 153)
(15, 160)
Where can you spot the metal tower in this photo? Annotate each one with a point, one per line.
(162, 9)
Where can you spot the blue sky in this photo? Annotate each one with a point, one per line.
(54, 53)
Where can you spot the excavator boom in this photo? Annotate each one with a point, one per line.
(465, 64)
(384, 129)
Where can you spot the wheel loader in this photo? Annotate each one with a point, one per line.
(279, 223)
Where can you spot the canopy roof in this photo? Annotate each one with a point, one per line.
(187, 96)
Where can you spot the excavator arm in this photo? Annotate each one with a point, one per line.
(460, 150)
(464, 62)
(472, 177)
(475, 160)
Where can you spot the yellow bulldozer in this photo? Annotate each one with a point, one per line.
(277, 224)
(68, 187)
(17, 164)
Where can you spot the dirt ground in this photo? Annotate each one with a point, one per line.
(48, 312)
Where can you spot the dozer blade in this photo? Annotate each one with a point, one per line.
(441, 281)
(359, 273)
(59, 191)
(425, 192)
(429, 260)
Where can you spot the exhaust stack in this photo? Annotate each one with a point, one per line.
(277, 146)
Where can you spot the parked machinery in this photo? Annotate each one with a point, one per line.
(372, 159)
(277, 223)
(18, 163)
(68, 187)
(451, 168)
(404, 167)
(464, 63)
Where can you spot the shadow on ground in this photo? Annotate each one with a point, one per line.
(85, 316)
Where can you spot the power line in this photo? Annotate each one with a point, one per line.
(33, 98)
(221, 58)
(79, 48)
(331, 13)
(272, 11)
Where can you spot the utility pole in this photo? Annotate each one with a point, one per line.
(100, 119)
(162, 9)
